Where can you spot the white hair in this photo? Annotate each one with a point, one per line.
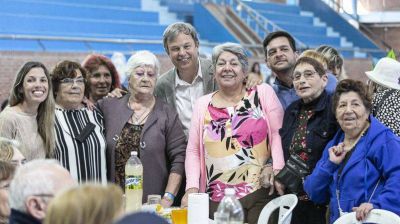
(33, 178)
(142, 58)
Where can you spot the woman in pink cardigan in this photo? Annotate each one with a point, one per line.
(234, 132)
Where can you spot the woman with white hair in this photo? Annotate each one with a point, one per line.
(140, 122)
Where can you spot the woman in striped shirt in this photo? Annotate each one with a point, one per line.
(80, 142)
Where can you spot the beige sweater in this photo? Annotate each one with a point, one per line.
(23, 128)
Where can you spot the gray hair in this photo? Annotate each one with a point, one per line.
(33, 178)
(177, 28)
(142, 58)
(233, 48)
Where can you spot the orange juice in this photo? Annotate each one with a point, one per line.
(179, 216)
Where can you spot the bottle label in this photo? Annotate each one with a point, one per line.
(133, 182)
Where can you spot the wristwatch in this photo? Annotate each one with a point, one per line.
(169, 197)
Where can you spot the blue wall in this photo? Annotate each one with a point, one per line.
(334, 20)
(209, 27)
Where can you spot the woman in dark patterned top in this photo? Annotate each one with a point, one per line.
(80, 141)
(384, 85)
(308, 125)
(140, 122)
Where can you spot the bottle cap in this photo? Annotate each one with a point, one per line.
(134, 153)
(229, 191)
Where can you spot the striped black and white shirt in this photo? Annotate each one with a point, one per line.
(84, 158)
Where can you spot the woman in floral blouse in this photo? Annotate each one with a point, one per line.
(234, 131)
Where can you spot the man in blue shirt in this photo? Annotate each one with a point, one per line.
(280, 56)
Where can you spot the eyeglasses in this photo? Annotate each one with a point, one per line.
(307, 75)
(79, 81)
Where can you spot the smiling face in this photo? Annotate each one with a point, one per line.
(351, 113)
(100, 81)
(228, 71)
(143, 80)
(183, 52)
(35, 86)
(280, 56)
(307, 82)
(70, 94)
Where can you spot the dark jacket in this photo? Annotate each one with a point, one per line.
(17, 217)
(321, 127)
(162, 140)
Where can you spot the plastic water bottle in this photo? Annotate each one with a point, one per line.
(231, 208)
(133, 183)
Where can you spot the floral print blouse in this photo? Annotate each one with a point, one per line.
(236, 147)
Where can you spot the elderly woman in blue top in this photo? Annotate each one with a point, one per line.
(360, 167)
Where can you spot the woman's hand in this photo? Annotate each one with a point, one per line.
(337, 153)
(280, 188)
(88, 103)
(184, 202)
(253, 80)
(363, 210)
(267, 177)
(117, 92)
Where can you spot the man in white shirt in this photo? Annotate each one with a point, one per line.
(191, 76)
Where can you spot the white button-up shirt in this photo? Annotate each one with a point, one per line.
(186, 96)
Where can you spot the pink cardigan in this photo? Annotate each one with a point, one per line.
(195, 162)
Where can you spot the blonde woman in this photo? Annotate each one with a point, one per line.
(335, 61)
(31, 103)
(6, 174)
(9, 152)
(86, 204)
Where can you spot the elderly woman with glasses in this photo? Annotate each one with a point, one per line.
(234, 131)
(140, 122)
(308, 125)
(80, 141)
(360, 168)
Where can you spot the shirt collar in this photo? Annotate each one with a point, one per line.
(180, 82)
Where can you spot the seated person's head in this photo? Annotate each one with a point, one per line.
(86, 204)
(6, 174)
(9, 151)
(35, 184)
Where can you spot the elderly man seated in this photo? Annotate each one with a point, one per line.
(34, 185)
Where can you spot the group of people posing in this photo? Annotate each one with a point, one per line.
(206, 125)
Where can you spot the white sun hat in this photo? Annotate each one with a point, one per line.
(386, 73)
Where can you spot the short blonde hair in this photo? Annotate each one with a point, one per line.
(7, 147)
(317, 56)
(86, 204)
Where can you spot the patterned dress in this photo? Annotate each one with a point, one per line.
(128, 142)
(85, 159)
(236, 147)
(389, 108)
